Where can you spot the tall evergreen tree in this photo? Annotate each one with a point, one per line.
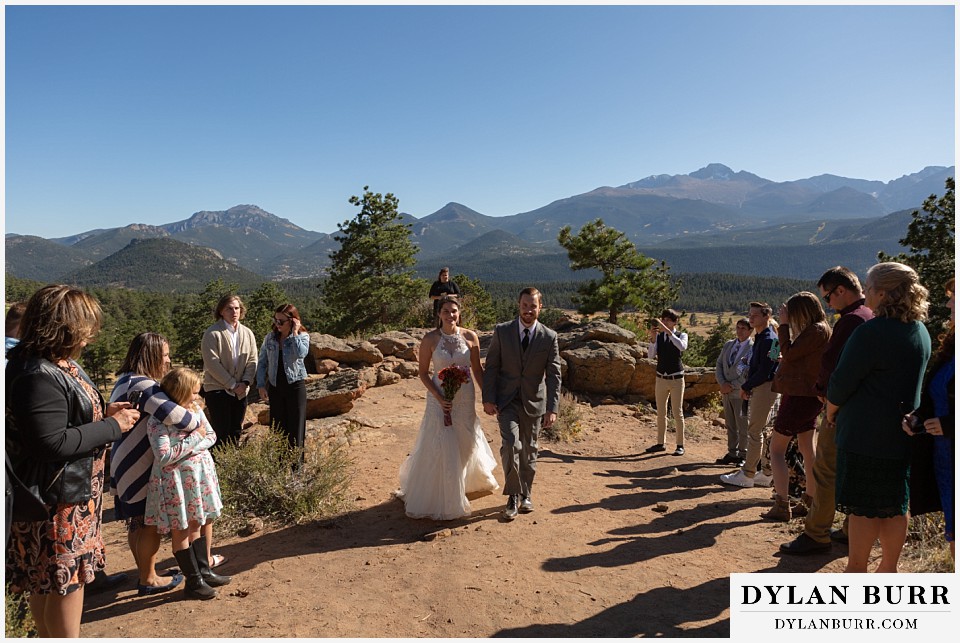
(930, 239)
(477, 311)
(372, 284)
(630, 279)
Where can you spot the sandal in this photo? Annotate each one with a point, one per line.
(218, 559)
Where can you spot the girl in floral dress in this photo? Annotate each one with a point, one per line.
(183, 493)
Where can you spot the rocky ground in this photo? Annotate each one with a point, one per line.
(621, 544)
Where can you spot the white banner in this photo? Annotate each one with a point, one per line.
(858, 607)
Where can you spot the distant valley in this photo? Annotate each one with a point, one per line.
(713, 220)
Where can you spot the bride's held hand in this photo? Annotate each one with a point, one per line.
(444, 404)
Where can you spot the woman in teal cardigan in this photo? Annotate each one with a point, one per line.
(876, 382)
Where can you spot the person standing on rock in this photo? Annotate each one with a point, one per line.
(229, 351)
(441, 287)
(666, 345)
(281, 374)
(730, 377)
(521, 387)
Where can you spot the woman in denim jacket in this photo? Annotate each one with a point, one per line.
(282, 380)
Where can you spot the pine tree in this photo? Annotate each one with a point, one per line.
(372, 283)
(629, 277)
(932, 252)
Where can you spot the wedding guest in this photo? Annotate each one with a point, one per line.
(281, 374)
(666, 345)
(183, 494)
(57, 422)
(876, 382)
(730, 377)
(757, 391)
(441, 287)
(229, 352)
(803, 334)
(146, 362)
(932, 428)
(14, 315)
(841, 290)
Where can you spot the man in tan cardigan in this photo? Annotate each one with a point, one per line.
(229, 352)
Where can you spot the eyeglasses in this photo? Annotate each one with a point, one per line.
(280, 322)
(829, 293)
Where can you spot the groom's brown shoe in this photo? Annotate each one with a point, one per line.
(526, 505)
(511, 511)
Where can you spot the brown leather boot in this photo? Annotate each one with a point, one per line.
(800, 509)
(780, 511)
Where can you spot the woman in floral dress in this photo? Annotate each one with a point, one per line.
(57, 429)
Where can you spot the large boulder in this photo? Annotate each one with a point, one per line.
(334, 394)
(401, 367)
(600, 367)
(397, 343)
(596, 331)
(354, 353)
(699, 382)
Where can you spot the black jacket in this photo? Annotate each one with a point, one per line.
(49, 424)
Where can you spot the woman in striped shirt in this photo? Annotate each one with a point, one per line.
(131, 458)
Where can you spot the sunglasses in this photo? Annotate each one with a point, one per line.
(829, 294)
(280, 322)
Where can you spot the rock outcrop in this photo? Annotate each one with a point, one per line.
(604, 359)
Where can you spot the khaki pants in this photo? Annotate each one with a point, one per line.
(819, 518)
(761, 401)
(736, 423)
(672, 390)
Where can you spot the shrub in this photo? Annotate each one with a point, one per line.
(550, 316)
(926, 549)
(260, 477)
(630, 323)
(567, 428)
(18, 623)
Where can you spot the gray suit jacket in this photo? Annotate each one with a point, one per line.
(533, 375)
(727, 373)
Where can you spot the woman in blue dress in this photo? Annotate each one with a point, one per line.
(936, 454)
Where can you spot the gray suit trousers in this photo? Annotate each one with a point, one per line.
(519, 433)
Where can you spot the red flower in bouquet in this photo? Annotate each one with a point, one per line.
(451, 379)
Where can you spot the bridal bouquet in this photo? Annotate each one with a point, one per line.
(451, 379)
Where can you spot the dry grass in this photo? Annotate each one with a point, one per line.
(568, 427)
(926, 549)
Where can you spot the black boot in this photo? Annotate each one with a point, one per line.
(194, 587)
(199, 547)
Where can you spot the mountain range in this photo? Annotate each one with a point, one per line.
(711, 220)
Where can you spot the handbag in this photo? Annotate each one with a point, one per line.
(27, 506)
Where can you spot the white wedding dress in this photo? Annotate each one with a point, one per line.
(448, 462)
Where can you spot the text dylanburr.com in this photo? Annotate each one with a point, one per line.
(855, 606)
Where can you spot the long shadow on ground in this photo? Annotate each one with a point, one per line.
(379, 526)
(662, 612)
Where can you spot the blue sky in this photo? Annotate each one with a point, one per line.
(118, 115)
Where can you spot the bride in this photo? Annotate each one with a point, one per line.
(448, 462)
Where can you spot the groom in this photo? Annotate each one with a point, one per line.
(521, 384)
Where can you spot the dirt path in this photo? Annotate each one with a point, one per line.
(621, 544)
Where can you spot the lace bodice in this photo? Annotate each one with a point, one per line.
(451, 349)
